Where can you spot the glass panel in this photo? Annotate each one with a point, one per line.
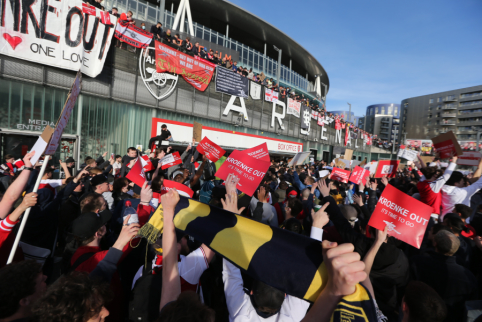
(250, 58)
(220, 40)
(199, 32)
(141, 12)
(132, 6)
(206, 35)
(121, 5)
(151, 15)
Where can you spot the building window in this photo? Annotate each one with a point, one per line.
(376, 110)
(430, 101)
(465, 95)
(438, 114)
(439, 99)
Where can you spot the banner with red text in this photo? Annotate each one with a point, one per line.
(293, 107)
(447, 145)
(198, 73)
(136, 174)
(469, 158)
(340, 175)
(132, 35)
(211, 150)
(146, 163)
(250, 171)
(181, 188)
(259, 152)
(56, 33)
(170, 160)
(406, 217)
(387, 168)
(358, 175)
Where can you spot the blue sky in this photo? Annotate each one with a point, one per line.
(383, 51)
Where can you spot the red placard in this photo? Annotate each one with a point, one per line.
(136, 174)
(340, 175)
(170, 160)
(211, 150)
(259, 152)
(146, 163)
(250, 171)
(181, 188)
(358, 175)
(445, 149)
(406, 217)
(387, 168)
(198, 73)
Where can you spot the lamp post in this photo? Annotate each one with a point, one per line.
(278, 72)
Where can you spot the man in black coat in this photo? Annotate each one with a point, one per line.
(439, 269)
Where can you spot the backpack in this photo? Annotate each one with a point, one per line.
(145, 297)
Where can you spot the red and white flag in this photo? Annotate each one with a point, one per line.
(90, 10)
(132, 35)
(170, 160)
(270, 95)
(136, 174)
(181, 188)
(146, 163)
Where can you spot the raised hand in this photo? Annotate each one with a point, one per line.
(358, 199)
(320, 218)
(385, 180)
(127, 233)
(324, 189)
(26, 159)
(263, 195)
(146, 193)
(231, 203)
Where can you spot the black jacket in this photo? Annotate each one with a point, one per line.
(120, 196)
(453, 282)
(157, 32)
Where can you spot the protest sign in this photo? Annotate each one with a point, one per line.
(469, 158)
(146, 163)
(170, 160)
(293, 107)
(354, 163)
(132, 35)
(259, 152)
(340, 175)
(197, 72)
(358, 175)
(270, 95)
(181, 188)
(211, 150)
(363, 162)
(250, 171)
(408, 154)
(447, 145)
(299, 158)
(372, 167)
(41, 144)
(65, 115)
(255, 91)
(348, 154)
(342, 163)
(136, 174)
(231, 83)
(387, 168)
(57, 34)
(197, 131)
(406, 217)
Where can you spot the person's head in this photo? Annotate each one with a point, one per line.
(305, 193)
(293, 225)
(266, 300)
(435, 229)
(100, 183)
(23, 283)
(446, 243)
(456, 179)
(9, 158)
(93, 202)
(114, 10)
(48, 173)
(188, 39)
(91, 163)
(132, 152)
(163, 127)
(309, 181)
(79, 187)
(350, 213)
(421, 303)
(463, 211)
(121, 185)
(455, 224)
(94, 171)
(430, 173)
(168, 32)
(89, 228)
(74, 297)
(178, 176)
(129, 14)
(177, 36)
(118, 158)
(159, 25)
(295, 205)
(187, 307)
(156, 184)
(196, 44)
(143, 25)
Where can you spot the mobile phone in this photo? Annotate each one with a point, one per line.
(112, 155)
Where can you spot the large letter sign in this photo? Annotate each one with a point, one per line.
(278, 116)
(406, 217)
(240, 109)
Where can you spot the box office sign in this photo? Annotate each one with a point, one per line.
(56, 33)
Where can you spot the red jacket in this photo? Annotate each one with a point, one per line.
(6, 242)
(429, 197)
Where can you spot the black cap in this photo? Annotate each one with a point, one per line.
(98, 179)
(86, 225)
(69, 160)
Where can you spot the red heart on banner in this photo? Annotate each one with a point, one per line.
(13, 41)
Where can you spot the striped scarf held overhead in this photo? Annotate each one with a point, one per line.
(258, 248)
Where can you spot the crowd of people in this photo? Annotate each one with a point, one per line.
(81, 257)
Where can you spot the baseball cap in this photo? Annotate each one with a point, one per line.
(98, 179)
(292, 194)
(175, 173)
(87, 224)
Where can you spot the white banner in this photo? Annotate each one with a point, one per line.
(469, 158)
(255, 91)
(299, 158)
(270, 95)
(52, 33)
(410, 155)
(294, 107)
(314, 114)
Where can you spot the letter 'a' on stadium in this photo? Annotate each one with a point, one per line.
(128, 100)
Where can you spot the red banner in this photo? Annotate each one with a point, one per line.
(181, 188)
(136, 174)
(445, 149)
(170, 160)
(358, 175)
(259, 152)
(406, 217)
(198, 73)
(340, 175)
(211, 150)
(250, 171)
(146, 163)
(387, 168)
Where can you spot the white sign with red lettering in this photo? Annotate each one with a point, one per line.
(469, 158)
(170, 160)
(294, 108)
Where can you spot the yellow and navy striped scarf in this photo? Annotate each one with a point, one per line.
(258, 248)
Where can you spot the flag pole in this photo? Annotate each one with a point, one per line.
(27, 212)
